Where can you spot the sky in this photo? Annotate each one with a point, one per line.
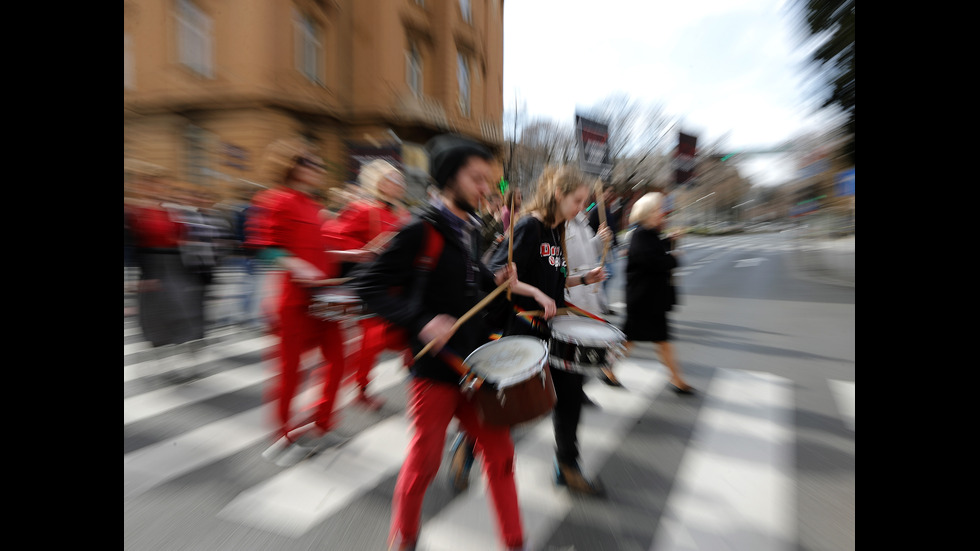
(729, 69)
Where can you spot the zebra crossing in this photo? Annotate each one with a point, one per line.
(725, 495)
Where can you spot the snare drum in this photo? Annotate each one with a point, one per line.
(337, 303)
(584, 345)
(517, 383)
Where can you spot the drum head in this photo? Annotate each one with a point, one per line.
(509, 360)
(577, 329)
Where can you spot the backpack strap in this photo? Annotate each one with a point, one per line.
(431, 250)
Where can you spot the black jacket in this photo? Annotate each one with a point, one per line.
(648, 268)
(393, 288)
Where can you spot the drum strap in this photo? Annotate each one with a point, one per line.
(469, 379)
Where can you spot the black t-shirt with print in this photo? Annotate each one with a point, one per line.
(540, 262)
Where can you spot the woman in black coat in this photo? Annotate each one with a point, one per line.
(649, 292)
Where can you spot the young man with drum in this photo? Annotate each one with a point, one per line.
(539, 255)
(427, 306)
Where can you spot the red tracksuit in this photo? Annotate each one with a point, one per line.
(290, 220)
(356, 226)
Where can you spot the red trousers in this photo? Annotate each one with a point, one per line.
(299, 332)
(377, 335)
(431, 406)
(373, 343)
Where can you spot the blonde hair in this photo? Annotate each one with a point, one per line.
(373, 173)
(564, 179)
(644, 206)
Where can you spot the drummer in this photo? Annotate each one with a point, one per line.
(286, 233)
(539, 255)
(427, 309)
(364, 223)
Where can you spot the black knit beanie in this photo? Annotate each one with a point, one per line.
(448, 152)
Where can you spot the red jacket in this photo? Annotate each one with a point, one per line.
(362, 221)
(290, 220)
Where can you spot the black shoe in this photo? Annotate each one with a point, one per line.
(587, 402)
(571, 477)
(460, 463)
(686, 391)
(606, 375)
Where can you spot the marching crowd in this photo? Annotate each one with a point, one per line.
(473, 267)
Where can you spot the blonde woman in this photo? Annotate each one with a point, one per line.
(539, 255)
(648, 289)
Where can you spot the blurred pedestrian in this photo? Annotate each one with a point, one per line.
(649, 293)
(585, 251)
(287, 232)
(613, 218)
(427, 310)
(370, 222)
(539, 254)
(170, 291)
(493, 229)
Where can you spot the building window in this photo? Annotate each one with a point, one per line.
(309, 48)
(194, 38)
(196, 141)
(129, 65)
(463, 77)
(413, 70)
(464, 9)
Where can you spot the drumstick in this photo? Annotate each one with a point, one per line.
(535, 313)
(330, 282)
(602, 220)
(510, 240)
(486, 300)
(375, 245)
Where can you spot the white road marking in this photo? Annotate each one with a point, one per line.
(153, 465)
(543, 505)
(844, 396)
(734, 487)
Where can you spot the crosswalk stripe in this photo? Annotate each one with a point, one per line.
(150, 466)
(844, 396)
(138, 370)
(734, 487)
(299, 498)
(543, 505)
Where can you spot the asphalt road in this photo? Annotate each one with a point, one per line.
(762, 457)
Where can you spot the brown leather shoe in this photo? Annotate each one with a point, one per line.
(609, 378)
(572, 478)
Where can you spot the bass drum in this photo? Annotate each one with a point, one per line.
(517, 385)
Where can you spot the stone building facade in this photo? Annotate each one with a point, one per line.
(208, 84)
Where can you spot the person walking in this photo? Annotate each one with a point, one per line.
(539, 255)
(169, 290)
(612, 214)
(288, 234)
(427, 308)
(649, 293)
(370, 221)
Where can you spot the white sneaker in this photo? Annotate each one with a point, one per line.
(277, 447)
(303, 447)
